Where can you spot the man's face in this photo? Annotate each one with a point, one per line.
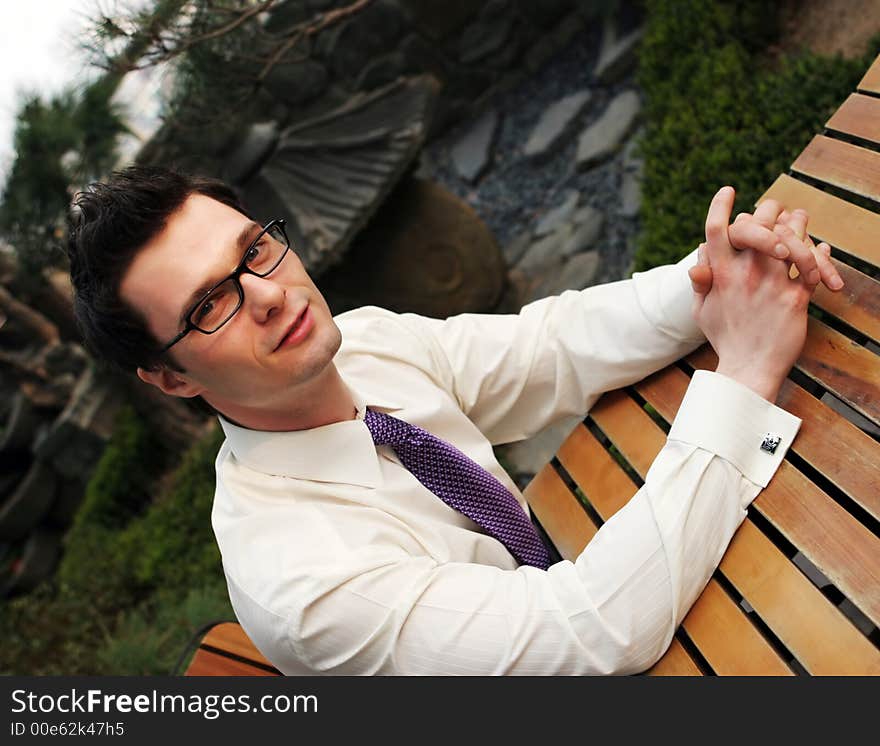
(282, 337)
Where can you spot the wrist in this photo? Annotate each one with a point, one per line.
(764, 385)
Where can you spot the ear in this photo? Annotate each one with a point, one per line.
(170, 382)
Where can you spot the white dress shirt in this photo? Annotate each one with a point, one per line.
(339, 561)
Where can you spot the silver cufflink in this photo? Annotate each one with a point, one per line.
(770, 443)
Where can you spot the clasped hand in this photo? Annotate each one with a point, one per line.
(748, 299)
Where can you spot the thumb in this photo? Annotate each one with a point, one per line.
(701, 273)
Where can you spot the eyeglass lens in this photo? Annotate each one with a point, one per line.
(220, 304)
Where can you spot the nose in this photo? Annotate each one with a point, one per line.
(263, 297)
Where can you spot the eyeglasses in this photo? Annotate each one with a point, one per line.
(222, 301)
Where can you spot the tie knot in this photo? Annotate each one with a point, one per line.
(390, 431)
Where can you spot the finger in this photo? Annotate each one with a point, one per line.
(827, 271)
(797, 221)
(701, 273)
(800, 253)
(750, 234)
(767, 213)
(718, 248)
(701, 279)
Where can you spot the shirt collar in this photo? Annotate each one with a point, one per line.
(339, 452)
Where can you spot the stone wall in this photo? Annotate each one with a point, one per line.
(474, 49)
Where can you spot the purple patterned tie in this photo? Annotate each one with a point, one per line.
(462, 484)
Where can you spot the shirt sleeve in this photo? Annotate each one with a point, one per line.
(612, 611)
(515, 374)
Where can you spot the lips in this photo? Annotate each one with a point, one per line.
(291, 333)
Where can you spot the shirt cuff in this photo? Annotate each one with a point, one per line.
(732, 421)
(666, 295)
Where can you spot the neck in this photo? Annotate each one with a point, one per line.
(321, 401)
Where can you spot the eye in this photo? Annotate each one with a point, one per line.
(204, 309)
(253, 252)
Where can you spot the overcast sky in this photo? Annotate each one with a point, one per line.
(37, 53)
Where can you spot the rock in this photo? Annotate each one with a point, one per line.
(545, 13)
(541, 51)
(285, 15)
(570, 27)
(65, 357)
(421, 57)
(381, 71)
(494, 8)
(28, 503)
(37, 562)
(247, 158)
(20, 427)
(438, 20)
(589, 228)
(617, 58)
(481, 39)
(604, 135)
(630, 195)
(578, 272)
(556, 124)
(557, 216)
(632, 160)
(516, 248)
(294, 83)
(350, 47)
(75, 441)
(473, 152)
(530, 456)
(68, 498)
(547, 251)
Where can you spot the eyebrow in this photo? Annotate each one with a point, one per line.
(242, 243)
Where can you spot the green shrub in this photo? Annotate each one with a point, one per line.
(717, 112)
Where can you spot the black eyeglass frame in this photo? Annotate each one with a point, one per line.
(235, 276)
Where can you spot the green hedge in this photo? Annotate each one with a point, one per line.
(718, 112)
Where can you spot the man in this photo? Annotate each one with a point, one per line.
(339, 555)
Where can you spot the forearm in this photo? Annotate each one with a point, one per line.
(513, 375)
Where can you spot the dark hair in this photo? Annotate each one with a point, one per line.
(109, 223)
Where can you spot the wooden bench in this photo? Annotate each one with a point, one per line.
(798, 590)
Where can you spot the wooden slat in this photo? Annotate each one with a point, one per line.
(841, 547)
(848, 227)
(726, 638)
(871, 80)
(598, 476)
(733, 648)
(560, 513)
(815, 631)
(231, 637)
(845, 368)
(853, 464)
(206, 663)
(605, 484)
(821, 638)
(675, 662)
(859, 115)
(858, 304)
(844, 165)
